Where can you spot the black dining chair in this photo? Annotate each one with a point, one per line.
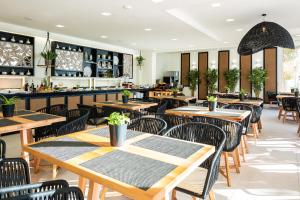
(32, 188)
(200, 182)
(148, 125)
(96, 116)
(70, 193)
(173, 120)
(234, 132)
(2, 149)
(13, 172)
(58, 109)
(289, 105)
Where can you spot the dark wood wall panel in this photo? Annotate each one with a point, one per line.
(270, 64)
(185, 68)
(245, 70)
(223, 66)
(202, 68)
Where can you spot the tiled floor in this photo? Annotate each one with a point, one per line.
(271, 171)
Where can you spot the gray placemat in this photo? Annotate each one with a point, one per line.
(136, 170)
(7, 122)
(39, 117)
(64, 148)
(23, 112)
(104, 132)
(168, 146)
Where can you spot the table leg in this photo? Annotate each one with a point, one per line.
(94, 191)
(24, 141)
(82, 184)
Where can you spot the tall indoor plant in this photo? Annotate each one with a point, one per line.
(231, 77)
(193, 78)
(211, 79)
(8, 105)
(257, 77)
(117, 128)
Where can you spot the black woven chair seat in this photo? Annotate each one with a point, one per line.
(289, 104)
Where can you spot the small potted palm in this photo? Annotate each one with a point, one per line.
(125, 95)
(8, 105)
(175, 91)
(212, 103)
(117, 128)
(242, 94)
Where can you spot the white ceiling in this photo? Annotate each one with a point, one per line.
(82, 18)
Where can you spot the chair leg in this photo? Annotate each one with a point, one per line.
(284, 117)
(54, 171)
(246, 143)
(255, 132)
(211, 195)
(36, 165)
(235, 161)
(227, 169)
(173, 197)
(237, 153)
(194, 198)
(280, 112)
(103, 192)
(259, 125)
(242, 146)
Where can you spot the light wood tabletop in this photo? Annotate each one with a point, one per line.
(281, 96)
(131, 105)
(147, 166)
(246, 101)
(24, 121)
(191, 111)
(180, 98)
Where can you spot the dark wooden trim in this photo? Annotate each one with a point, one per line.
(181, 75)
(205, 52)
(251, 60)
(219, 75)
(276, 72)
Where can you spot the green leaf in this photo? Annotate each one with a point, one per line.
(117, 119)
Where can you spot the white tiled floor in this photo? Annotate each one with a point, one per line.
(271, 171)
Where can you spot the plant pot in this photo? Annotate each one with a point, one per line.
(212, 105)
(117, 135)
(8, 110)
(242, 97)
(125, 99)
(292, 90)
(296, 93)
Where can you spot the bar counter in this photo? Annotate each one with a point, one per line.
(35, 101)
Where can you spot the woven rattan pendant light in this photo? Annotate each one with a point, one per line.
(265, 35)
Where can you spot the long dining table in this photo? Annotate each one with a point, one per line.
(251, 102)
(146, 167)
(192, 111)
(131, 105)
(24, 121)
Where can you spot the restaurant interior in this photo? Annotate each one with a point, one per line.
(149, 100)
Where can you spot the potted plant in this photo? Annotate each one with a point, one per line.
(8, 105)
(211, 79)
(296, 92)
(175, 91)
(117, 128)
(242, 94)
(212, 103)
(227, 89)
(125, 95)
(257, 78)
(140, 60)
(231, 77)
(48, 56)
(193, 78)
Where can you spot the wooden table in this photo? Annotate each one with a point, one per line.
(24, 121)
(191, 111)
(246, 101)
(281, 96)
(146, 167)
(180, 98)
(131, 105)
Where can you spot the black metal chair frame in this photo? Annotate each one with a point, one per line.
(95, 113)
(2, 149)
(149, 125)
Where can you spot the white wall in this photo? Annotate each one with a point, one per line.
(40, 39)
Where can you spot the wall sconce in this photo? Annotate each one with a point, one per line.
(194, 65)
(234, 64)
(213, 64)
(257, 63)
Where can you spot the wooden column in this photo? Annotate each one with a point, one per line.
(202, 68)
(185, 68)
(245, 70)
(223, 66)
(270, 64)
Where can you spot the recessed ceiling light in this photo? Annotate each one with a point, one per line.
(157, 1)
(215, 5)
(60, 26)
(106, 13)
(174, 39)
(127, 7)
(230, 20)
(148, 29)
(239, 29)
(297, 35)
(103, 36)
(226, 42)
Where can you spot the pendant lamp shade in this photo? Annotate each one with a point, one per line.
(265, 35)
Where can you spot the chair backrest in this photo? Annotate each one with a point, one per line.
(13, 171)
(272, 96)
(237, 106)
(2, 149)
(58, 109)
(206, 134)
(205, 104)
(173, 120)
(289, 103)
(92, 109)
(233, 130)
(9, 192)
(148, 125)
(71, 193)
(162, 108)
(107, 110)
